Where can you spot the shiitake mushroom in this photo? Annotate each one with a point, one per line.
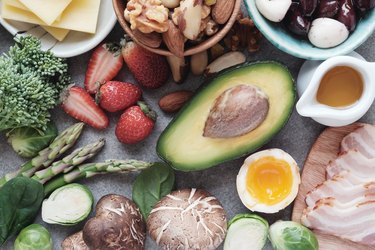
(295, 21)
(117, 225)
(188, 219)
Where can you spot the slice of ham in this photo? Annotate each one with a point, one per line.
(362, 140)
(354, 223)
(354, 161)
(346, 188)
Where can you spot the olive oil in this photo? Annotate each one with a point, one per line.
(340, 87)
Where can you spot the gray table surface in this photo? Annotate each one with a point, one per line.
(295, 138)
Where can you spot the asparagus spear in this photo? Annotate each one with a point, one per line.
(69, 162)
(62, 143)
(91, 169)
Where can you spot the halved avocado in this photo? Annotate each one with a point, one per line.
(182, 143)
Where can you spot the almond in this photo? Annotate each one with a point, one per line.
(174, 101)
(174, 40)
(222, 10)
(152, 39)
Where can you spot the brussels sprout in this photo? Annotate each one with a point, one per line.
(67, 205)
(27, 142)
(33, 237)
(246, 230)
(289, 235)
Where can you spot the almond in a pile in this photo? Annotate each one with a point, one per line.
(222, 10)
(174, 101)
(174, 39)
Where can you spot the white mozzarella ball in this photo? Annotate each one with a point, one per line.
(327, 33)
(273, 10)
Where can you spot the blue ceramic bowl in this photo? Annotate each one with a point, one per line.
(290, 44)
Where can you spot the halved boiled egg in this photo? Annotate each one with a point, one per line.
(268, 181)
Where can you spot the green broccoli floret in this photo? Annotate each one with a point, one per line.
(30, 84)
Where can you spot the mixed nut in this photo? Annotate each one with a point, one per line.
(176, 22)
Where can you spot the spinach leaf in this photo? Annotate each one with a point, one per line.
(20, 201)
(151, 185)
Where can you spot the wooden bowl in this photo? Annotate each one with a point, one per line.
(120, 5)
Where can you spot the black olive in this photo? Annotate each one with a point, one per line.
(328, 8)
(364, 5)
(347, 14)
(308, 7)
(296, 22)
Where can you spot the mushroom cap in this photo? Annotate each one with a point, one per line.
(188, 219)
(118, 224)
(74, 242)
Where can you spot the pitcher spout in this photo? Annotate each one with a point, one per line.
(311, 110)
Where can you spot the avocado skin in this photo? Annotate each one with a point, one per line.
(187, 166)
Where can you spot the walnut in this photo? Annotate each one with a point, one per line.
(243, 34)
(147, 15)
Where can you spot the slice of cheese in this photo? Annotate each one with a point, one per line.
(19, 5)
(16, 4)
(80, 15)
(57, 33)
(47, 10)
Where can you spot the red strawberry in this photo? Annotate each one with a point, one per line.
(105, 63)
(149, 69)
(135, 124)
(115, 96)
(77, 103)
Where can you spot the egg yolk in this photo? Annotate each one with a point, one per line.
(269, 180)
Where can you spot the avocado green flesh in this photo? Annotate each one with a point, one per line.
(182, 143)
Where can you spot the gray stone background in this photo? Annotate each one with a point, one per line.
(295, 138)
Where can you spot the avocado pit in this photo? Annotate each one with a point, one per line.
(237, 111)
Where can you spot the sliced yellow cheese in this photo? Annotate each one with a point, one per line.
(80, 15)
(57, 33)
(19, 5)
(47, 10)
(16, 4)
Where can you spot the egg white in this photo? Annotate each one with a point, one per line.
(253, 204)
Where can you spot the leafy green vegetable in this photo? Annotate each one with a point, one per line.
(20, 201)
(289, 235)
(27, 142)
(246, 230)
(30, 84)
(151, 185)
(33, 237)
